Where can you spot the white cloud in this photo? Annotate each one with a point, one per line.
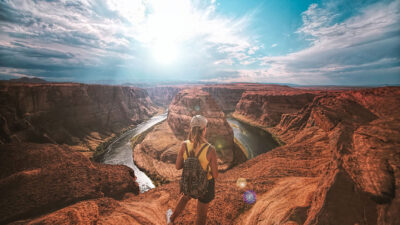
(253, 50)
(224, 61)
(370, 39)
(274, 45)
(126, 28)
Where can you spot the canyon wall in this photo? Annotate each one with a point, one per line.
(68, 113)
(163, 95)
(228, 95)
(265, 108)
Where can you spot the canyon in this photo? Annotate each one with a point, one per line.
(158, 151)
(78, 115)
(339, 163)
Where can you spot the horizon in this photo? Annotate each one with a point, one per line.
(307, 43)
(30, 80)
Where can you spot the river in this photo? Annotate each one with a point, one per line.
(119, 152)
(255, 140)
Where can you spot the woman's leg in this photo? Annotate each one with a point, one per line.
(181, 205)
(201, 213)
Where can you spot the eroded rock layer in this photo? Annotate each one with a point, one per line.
(40, 178)
(158, 151)
(265, 108)
(72, 114)
(228, 95)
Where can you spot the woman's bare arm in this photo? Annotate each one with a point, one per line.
(213, 158)
(179, 158)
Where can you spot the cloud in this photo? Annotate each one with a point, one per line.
(363, 42)
(88, 35)
(118, 40)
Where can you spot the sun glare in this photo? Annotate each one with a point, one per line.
(168, 26)
(165, 53)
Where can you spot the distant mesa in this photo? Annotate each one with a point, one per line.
(34, 80)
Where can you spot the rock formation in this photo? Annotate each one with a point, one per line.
(228, 95)
(41, 178)
(264, 108)
(65, 113)
(157, 153)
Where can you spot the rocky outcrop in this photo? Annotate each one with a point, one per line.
(74, 114)
(361, 184)
(40, 178)
(157, 153)
(228, 95)
(265, 108)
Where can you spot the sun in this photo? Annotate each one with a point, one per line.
(165, 53)
(168, 26)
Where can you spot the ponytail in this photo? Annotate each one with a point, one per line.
(195, 136)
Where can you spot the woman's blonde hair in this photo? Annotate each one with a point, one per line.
(196, 136)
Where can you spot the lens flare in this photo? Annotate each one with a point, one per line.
(249, 197)
(241, 183)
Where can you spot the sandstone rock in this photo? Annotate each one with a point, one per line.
(66, 113)
(226, 96)
(265, 108)
(158, 151)
(38, 178)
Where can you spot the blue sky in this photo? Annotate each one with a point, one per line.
(305, 42)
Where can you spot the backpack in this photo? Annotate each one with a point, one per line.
(194, 181)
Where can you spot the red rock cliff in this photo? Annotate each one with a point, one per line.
(228, 95)
(264, 108)
(73, 114)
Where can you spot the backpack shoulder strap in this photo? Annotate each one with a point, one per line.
(186, 149)
(204, 146)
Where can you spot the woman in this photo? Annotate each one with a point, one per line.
(196, 140)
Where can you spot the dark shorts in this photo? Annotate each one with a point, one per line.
(210, 194)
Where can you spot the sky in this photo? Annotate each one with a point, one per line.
(304, 42)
